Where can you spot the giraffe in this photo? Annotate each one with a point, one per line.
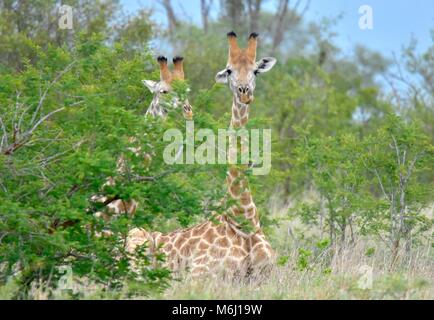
(221, 244)
(240, 73)
(157, 108)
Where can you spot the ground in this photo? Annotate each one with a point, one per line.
(360, 270)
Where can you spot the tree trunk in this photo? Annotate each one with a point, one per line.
(205, 7)
(343, 228)
(171, 17)
(254, 7)
(280, 20)
(331, 221)
(395, 231)
(234, 10)
(395, 250)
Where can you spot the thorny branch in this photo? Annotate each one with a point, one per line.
(44, 95)
(21, 139)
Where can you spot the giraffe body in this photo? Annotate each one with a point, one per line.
(210, 247)
(221, 244)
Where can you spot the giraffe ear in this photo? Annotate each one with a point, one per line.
(265, 65)
(222, 76)
(151, 85)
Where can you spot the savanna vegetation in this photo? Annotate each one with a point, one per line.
(348, 204)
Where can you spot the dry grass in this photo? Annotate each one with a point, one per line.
(322, 274)
(329, 275)
(343, 278)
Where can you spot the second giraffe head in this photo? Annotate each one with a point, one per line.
(164, 86)
(242, 68)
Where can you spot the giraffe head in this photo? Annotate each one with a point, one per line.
(242, 68)
(164, 87)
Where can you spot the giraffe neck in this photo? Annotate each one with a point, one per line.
(237, 181)
(155, 109)
(240, 115)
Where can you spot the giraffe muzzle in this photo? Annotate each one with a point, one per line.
(245, 94)
(246, 98)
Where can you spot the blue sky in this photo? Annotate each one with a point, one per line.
(395, 21)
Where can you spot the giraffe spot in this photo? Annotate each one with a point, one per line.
(222, 242)
(185, 250)
(229, 232)
(242, 112)
(236, 211)
(234, 189)
(210, 235)
(192, 242)
(167, 247)
(221, 230)
(239, 241)
(251, 212)
(233, 172)
(187, 234)
(200, 229)
(179, 241)
(203, 245)
(250, 206)
(246, 198)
